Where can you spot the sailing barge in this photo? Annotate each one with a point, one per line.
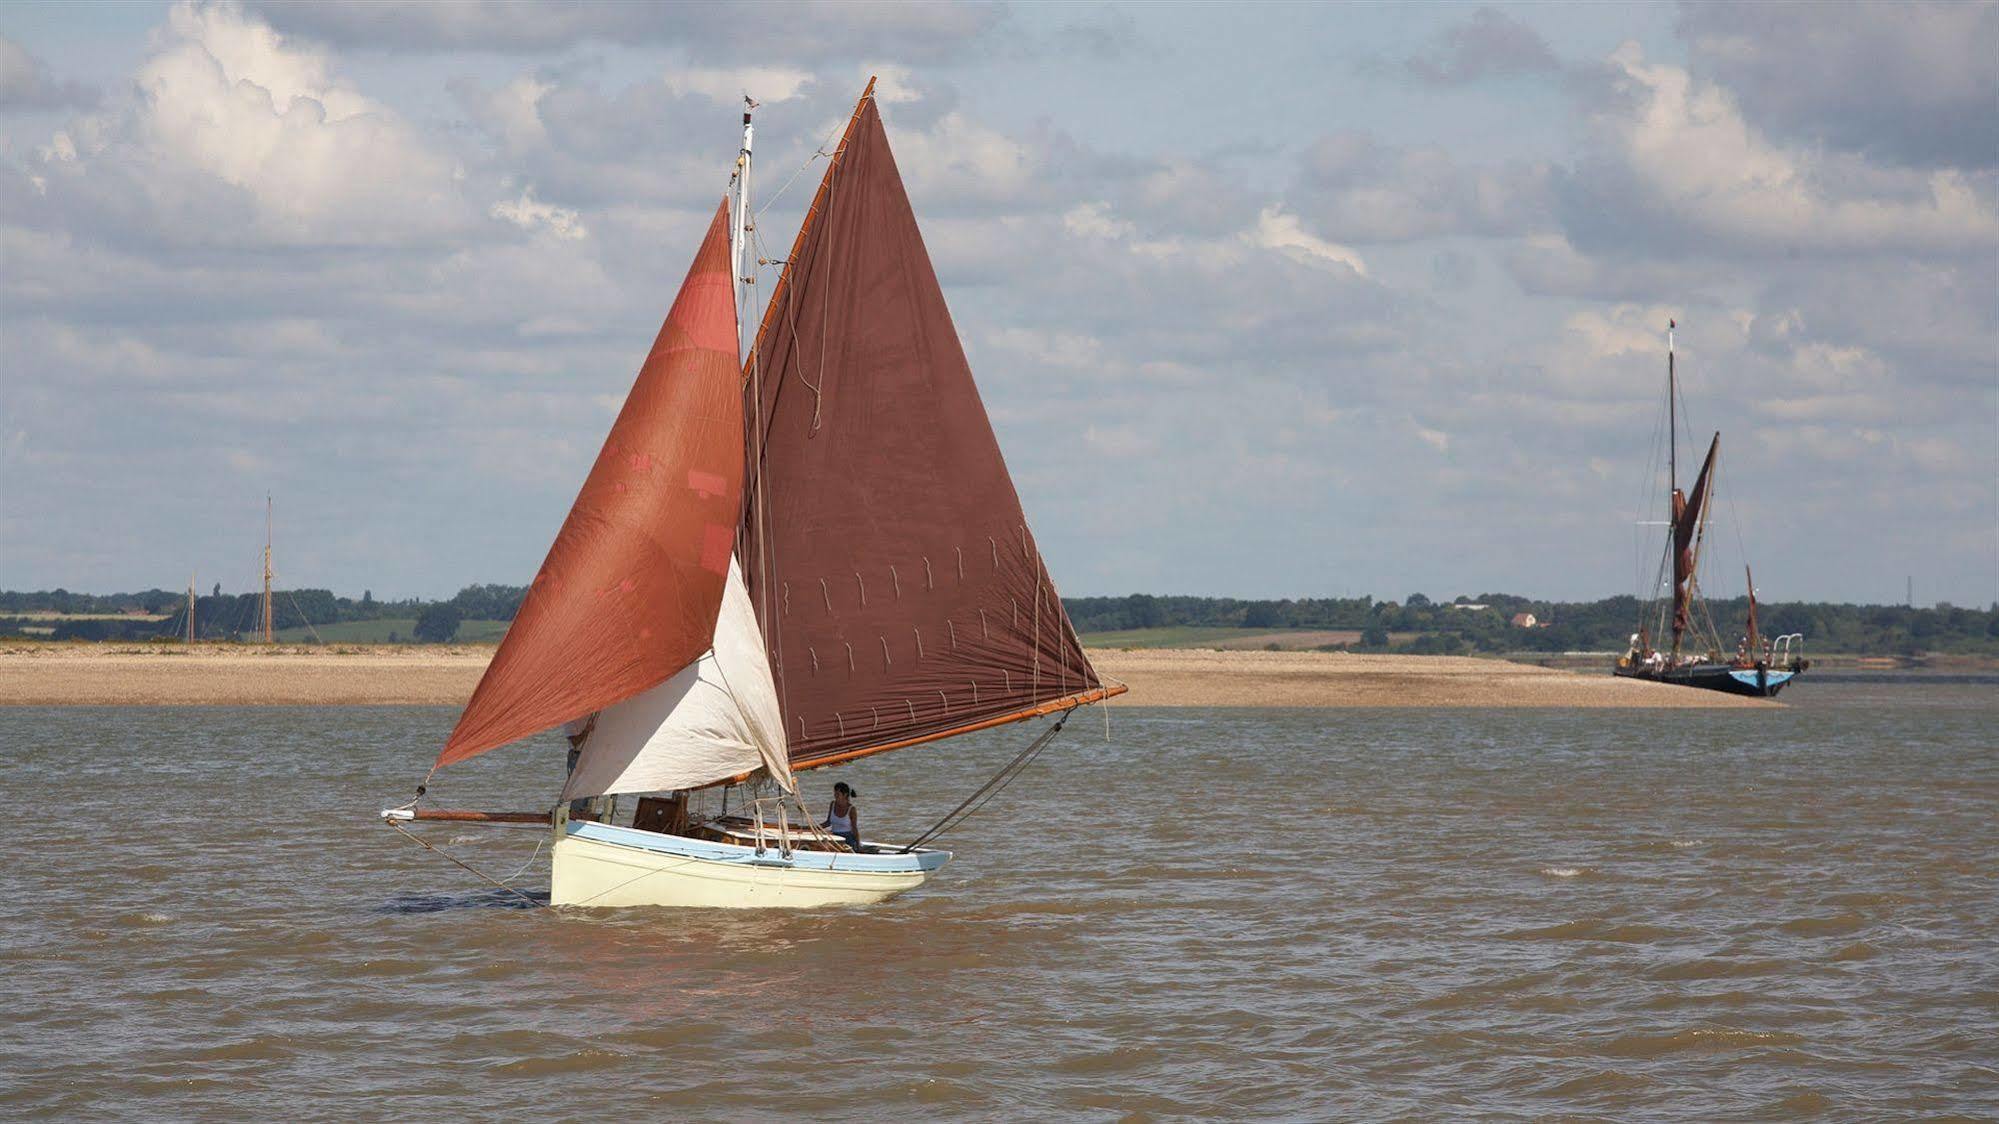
(785, 557)
(1760, 666)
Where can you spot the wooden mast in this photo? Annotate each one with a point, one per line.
(266, 605)
(797, 243)
(1672, 418)
(1673, 483)
(190, 608)
(753, 423)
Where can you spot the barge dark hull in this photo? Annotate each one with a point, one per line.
(1756, 682)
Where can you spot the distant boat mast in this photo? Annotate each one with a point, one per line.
(266, 605)
(190, 608)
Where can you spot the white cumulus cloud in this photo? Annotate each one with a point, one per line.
(532, 214)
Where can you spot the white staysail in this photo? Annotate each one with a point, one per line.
(717, 718)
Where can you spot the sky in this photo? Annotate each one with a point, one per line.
(1264, 301)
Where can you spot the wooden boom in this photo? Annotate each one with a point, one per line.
(457, 815)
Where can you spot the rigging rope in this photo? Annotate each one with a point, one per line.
(317, 638)
(992, 787)
(467, 866)
(816, 156)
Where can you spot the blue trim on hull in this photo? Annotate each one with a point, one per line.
(1773, 679)
(685, 847)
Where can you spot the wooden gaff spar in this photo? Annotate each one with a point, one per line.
(780, 561)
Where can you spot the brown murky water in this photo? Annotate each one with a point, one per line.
(1218, 913)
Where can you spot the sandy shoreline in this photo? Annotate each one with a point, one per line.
(51, 674)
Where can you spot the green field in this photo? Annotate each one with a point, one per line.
(377, 632)
(1189, 636)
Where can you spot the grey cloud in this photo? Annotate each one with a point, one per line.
(1915, 83)
(1453, 271)
(780, 29)
(1670, 169)
(26, 84)
(1548, 266)
(1934, 322)
(1491, 44)
(1354, 188)
(1103, 33)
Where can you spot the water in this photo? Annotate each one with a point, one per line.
(1223, 913)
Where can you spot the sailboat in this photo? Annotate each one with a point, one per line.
(1759, 666)
(785, 557)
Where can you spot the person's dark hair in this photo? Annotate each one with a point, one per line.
(843, 786)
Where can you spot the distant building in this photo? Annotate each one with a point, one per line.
(1524, 620)
(1469, 605)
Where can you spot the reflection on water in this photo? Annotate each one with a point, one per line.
(1232, 913)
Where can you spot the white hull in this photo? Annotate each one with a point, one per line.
(601, 866)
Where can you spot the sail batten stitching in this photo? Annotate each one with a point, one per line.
(1035, 684)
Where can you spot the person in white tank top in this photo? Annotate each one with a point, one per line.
(842, 818)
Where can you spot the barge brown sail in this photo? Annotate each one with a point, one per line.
(799, 561)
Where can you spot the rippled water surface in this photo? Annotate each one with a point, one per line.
(1225, 913)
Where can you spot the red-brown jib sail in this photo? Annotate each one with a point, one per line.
(902, 596)
(629, 593)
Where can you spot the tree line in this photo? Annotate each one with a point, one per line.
(235, 616)
(1485, 623)
(1466, 624)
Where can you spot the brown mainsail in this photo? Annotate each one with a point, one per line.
(1687, 518)
(901, 593)
(630, 590)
